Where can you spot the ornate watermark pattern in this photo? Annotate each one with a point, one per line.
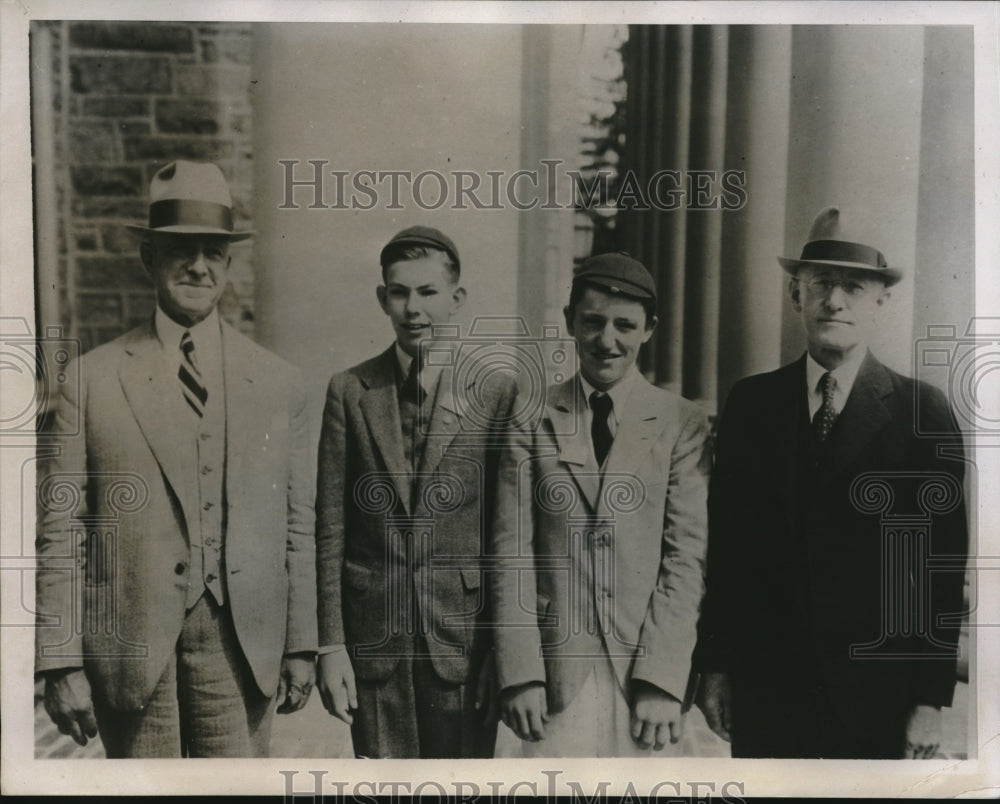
(907, 561)
(966, 368)
(97, 600)
(498, 351)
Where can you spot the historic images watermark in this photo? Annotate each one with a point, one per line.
(313, 184)
(313, 785)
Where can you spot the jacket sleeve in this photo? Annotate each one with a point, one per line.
(714, 650)
(330, 510)
(62, 500)
(668, 634)
(514, 585)
(943, 455)
(300, 554)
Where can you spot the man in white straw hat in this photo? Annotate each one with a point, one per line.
(825, 634)
(185, 462)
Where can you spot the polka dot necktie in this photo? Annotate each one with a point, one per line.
(826, 415)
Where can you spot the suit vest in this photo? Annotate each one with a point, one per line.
(206, 535)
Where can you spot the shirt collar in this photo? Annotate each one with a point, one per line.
(844, 374)
(428, 373)
(205, 334)
(619, 392)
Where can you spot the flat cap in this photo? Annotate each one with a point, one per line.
(422, 236)
(618, 273)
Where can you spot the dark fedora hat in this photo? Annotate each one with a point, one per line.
(829, 246)
(190, 198)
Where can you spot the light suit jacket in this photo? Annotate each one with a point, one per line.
(395, 561)
(113, 542)
(602, 564)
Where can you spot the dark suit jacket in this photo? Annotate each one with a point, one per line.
(376, 552)
(608, 563)
(805, 565)
(117, 498)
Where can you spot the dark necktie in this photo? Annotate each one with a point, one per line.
(826, 415)
(191, 383)
(600, 431)
(411, 390)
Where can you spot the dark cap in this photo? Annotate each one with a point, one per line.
(422, 236)
(617, 272)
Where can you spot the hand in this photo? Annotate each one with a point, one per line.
(524, 709)
(336, 684)
(69, 704)
(923, 732)
(656, 716)
(486, 690)
(295, 682)
(715, 700)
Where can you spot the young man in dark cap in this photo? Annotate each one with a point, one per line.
(193, 525)
(602, 518)
(824, 634)
(406, 477)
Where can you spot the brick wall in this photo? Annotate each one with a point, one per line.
(138, 95)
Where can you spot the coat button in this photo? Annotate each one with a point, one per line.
(179, 569)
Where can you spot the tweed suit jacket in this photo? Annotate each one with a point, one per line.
(114, 505)
(400, 553)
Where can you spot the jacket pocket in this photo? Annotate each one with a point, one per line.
(358, 576)
(471, 579)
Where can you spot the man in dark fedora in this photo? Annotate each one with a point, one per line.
(601, 518)
(405, 495)
(184, 453)
(825, 632)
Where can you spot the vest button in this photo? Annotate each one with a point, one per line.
(179, 569)
(209, 578)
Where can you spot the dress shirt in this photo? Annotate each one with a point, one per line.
(619, 396)
(207, 337)
(844, 374)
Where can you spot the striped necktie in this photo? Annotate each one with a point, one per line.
(826, 415)
(194, 389)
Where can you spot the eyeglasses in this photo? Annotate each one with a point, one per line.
(824, 286)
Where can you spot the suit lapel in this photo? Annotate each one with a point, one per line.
(573, 440)
(442, 424)
(157, 403)
(640, 422)
(863, 416)
(246, 410)
(790, 412)
(380, 408)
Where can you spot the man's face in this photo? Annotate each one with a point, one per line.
(838, 307)
(189, 271)
(608, 330)
(416, 295)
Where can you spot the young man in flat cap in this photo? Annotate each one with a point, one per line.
(407, 481)
(601, 519)
(183, 456)
(823, 636)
